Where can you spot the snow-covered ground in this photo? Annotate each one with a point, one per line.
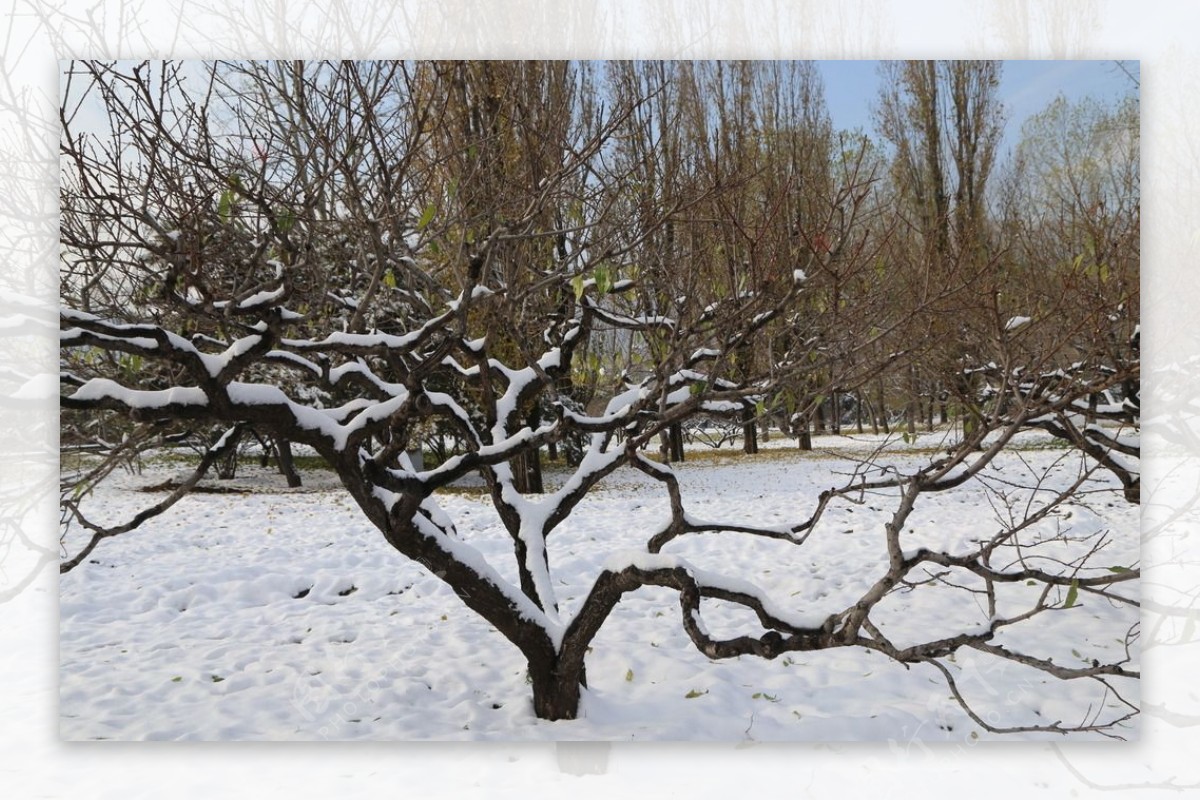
(281, 614)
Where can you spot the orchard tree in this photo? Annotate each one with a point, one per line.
(342, 255)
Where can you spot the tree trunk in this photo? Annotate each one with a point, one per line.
(913, 410)
(556, 685)
(675, 434)
(527, 465)
(266, 446)
(803, 433)
(749, 432)
(226, 465)
(527, 472)
(283, 448)
(881, 408)
(671, 443)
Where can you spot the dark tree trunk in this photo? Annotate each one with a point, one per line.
(913, 410)
(749, 432)
(283, 447)
(835, 412)
(803, 433)
(556, 685)
(527, 472)
(226, 465)
(527, 465)
(675, 441)
(266, 446)
(881, 408)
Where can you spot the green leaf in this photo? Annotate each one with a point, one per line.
(1119, 569)
(426, 217)
(698, 388)
(177, 679)
(629, 675)
(577, 285)
(286, 221)
(603, 280)
(389, 279)
(216, 678)
(695, 693)
(1072, 595)
(225, 206)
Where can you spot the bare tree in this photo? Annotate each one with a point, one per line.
(267, 303)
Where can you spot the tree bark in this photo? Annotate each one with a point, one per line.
(675, 435)
(283, 447)
(881, 408)
(749, 432)
(226, 465)
(556, 687)
(803, 433)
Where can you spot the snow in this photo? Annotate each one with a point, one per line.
(282, 614)
(101, 388)
(215, 364)
(264, 297)
(374, 340)
(70, 334)
(1016, 322)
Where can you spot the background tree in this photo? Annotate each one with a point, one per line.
(943, 121)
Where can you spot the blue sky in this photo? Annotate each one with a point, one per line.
(1026, 87)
